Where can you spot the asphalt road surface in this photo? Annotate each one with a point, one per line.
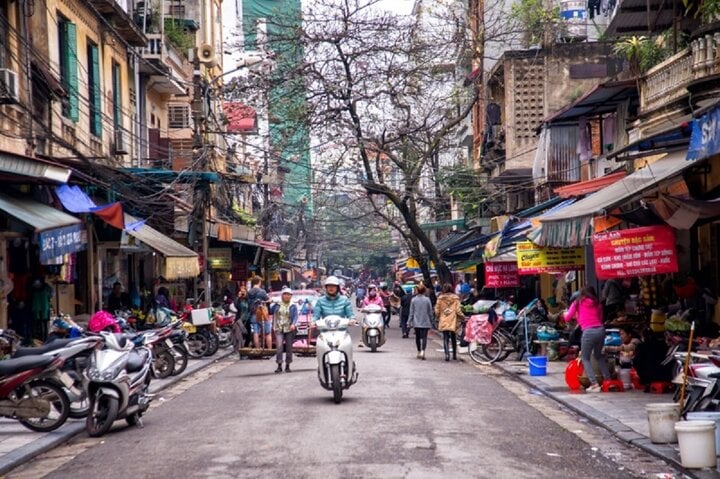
(405, 418)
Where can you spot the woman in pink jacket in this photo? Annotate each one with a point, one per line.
(589, 313)
(372, 297)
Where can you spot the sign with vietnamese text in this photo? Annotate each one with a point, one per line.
(60, 241)
(635, 252)
(534, 259)
(502, 275)
(705, 136)
(220, 259)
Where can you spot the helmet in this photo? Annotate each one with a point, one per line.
(101, 321)
(286, 290)
(332, 281)
(372, 286)
(383, 285)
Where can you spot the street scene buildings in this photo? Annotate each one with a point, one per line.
(219, 183)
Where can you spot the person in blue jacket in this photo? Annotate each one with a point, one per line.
(333, 303)
(285, 316)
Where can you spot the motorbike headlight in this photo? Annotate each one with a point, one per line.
(93, 374)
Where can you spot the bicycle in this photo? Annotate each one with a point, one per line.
(503, 341)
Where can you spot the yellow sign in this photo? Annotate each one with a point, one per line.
(534, 259)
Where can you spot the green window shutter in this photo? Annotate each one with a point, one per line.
(71, 77)
(95, 92)
(117, 97)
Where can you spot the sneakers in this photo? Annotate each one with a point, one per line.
(419, 355)
(279, 369)
(595, 388)
(422, 355)
(287, 368)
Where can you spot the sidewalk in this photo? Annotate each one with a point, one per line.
(19, 444)
(623, 414)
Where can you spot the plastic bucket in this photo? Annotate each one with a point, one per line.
(697, 443)
(538, 365)
(661, 421)
(708, 416)
(624, 376)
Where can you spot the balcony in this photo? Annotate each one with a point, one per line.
(168, 69)
(116, 12)
(669, 81)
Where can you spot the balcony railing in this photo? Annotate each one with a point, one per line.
(668, 81)
(165, 57)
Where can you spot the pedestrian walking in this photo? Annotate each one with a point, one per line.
(241, 327)
(589, 314)
(405, 313)
(421, 318)
(449, 314)
(385, 296)
(285, 316)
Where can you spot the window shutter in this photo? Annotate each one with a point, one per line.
(117, 98)
(71, 61)
(96, 109)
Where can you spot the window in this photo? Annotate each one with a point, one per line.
(116, 96)
(179, 116)
(68, 67)
(177, 11)
(94, 89)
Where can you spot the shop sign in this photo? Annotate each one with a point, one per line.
(60, 241)
(705, 137)
(635, 252)
(534, 259)
(502, 275)
(220, 258)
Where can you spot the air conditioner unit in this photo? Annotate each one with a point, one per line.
(8, 86)
(120, 147)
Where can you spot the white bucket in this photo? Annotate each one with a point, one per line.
(624, 376)
(697, 443)
(661, 419)
(708, 416)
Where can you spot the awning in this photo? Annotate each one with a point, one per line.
(33, 168)
(641, 17)
(589, 186)
(656, 141)
(601, 99)
(513, 176)
(269, 246)
(572, 226)
(58, 232)
(180, 261)
(35, 214)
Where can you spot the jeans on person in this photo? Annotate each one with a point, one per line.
(287, 338)
(592, 343)
(421, 338)
(261, 327)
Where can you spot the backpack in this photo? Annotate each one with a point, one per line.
(261, 312)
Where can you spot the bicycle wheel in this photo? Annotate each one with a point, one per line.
(486, 353)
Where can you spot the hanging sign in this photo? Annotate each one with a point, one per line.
(534, 259)
(60, 241)
(220, 258)
(502, 275)
(705, 139)
(635, 252)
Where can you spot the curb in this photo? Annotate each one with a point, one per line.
(618, 429)
(22, 455)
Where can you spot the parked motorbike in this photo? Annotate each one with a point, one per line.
(75, 353)
(373, 328)
(163, 359)
(32, 391)
(702, 391)
(336, 368)
(118, 379)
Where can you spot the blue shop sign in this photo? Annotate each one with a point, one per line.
(705, 138)
(60, 241)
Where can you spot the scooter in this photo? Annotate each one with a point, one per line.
(31, 391)
(118, 379)
(336, 368)
(373, 327)
(75, 353)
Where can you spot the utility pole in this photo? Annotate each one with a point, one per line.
(202, 208)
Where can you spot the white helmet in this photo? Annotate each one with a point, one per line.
(332, 281)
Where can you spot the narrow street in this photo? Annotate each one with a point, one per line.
(404, 418)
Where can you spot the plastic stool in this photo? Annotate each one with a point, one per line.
(660, 387)
(612, 385)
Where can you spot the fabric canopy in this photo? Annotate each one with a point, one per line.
(572, 226)
(683, 213)
(39, 216)
(180, 261)
(76, 201)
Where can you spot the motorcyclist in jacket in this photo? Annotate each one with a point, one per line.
(333, 303)
(373, 297)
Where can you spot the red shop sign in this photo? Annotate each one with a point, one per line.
(502, 275)
(635, 252)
